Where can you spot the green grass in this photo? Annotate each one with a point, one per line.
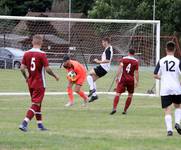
(89, 128)
(78, 128)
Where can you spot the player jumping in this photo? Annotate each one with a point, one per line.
(35, 61)
(78, 80)
(101, 70)
(129, 79)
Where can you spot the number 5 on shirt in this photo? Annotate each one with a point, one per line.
(33, 65)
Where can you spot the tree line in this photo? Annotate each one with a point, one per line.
(167, 11)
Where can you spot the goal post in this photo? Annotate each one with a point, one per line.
(157, 53)
(81, 39)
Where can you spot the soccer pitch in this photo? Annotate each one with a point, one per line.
(78, 128)
(13, 81)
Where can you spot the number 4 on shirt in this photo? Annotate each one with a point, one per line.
(128, 68)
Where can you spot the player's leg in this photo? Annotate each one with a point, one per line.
(70, 94)
(97, 73)
(81, 93)
(29, 115)
(37, 100)
(37, 96)
(130, 89)
(91, 78)
(115, 103)
(128, 102)
(177, 101)
(166, 105)
(94, 95)
(119, 90)
(38, 115)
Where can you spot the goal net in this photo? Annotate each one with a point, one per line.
(81, 39)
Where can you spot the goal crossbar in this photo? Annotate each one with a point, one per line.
(78, 19)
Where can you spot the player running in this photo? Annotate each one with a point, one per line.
(168, 71)
(35, 61)
(101, 70)
(74, 67)
(129, 79)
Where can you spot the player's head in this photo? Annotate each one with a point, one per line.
(106, 41)
(170, 47)
(66, 61)
(131, 51)
(37, 40)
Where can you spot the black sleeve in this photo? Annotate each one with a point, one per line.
(157, 68)
(108, 53)
(180, 65)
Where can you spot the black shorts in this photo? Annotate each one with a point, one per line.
(169, 99)
(100, 72)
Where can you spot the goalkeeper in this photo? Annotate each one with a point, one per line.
(76, 75)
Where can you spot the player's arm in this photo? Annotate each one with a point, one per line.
(108, 57)
(119, 71)
(156, 71)
(23, 67)
(23, 71)
(136, 78)
(136, 74)
(78, 72)
(47, 68)
(51, 73)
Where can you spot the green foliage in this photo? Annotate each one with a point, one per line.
(101, 10)
(4, 10)
(168, 11)
(81, 6)
(21, 7)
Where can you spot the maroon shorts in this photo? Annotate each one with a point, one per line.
(123, 86)
(37, 94)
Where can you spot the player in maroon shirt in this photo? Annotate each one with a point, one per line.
(129, 79)
(35, 61)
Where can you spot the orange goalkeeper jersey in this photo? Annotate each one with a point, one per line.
(78, 68)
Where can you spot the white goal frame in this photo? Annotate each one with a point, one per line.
(154, 22)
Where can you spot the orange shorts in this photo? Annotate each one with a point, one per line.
(80, 80)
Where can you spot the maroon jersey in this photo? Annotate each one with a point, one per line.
(130, 64)
(35, 60)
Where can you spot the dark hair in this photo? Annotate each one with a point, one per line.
(107, 39)
(66, 57)
(170, 46)
(131, 51)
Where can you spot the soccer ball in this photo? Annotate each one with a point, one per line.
(71, 75)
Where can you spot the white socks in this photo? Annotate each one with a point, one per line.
(177, 115)
(94, 94)
(90, 82)
(168, 122)
(26, 119)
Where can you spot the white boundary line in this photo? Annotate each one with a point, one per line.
(65, 93)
